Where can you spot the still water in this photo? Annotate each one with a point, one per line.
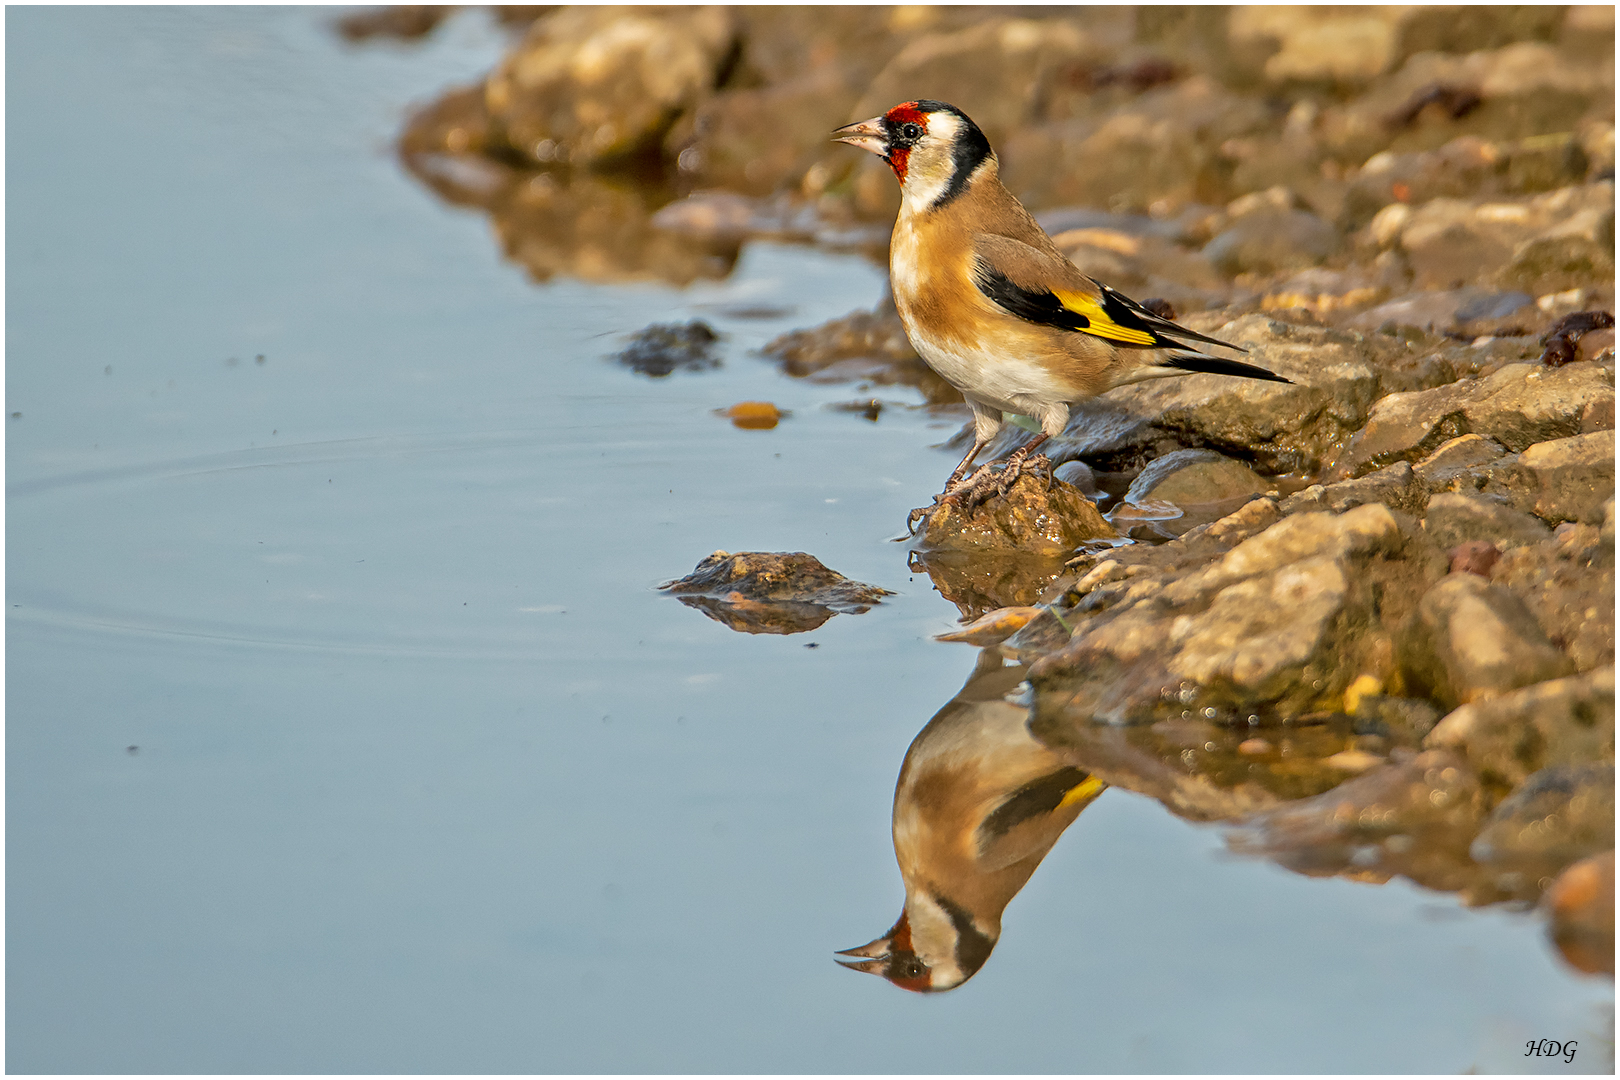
(346, 731)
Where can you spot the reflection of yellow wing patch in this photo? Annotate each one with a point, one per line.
(1101, 325)
(1087, 789)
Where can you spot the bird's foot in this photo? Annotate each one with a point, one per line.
(983, 485)
(1023, 466)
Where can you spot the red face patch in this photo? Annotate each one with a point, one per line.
(900, 156)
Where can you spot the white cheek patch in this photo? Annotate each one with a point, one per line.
(932, 166)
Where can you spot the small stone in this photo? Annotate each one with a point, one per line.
(754, 415)
(1031, 518)
(665, 348)
(1255, 747)
(771, 592)
(1474, 557)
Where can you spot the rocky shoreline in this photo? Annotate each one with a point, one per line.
(1368, 618)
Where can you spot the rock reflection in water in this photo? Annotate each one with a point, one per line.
(562, 222)
(771, 592)
(979, 803)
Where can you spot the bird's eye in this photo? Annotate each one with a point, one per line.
(910, 131)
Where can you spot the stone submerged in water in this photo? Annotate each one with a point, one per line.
(1032, 517)
(771, 592)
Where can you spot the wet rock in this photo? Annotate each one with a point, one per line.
(1277, 626)
(1559, 815)
(1568, 582)
(1567, 721)
(1473, 640)
(1518, 405)
(1395, 486)
(1581, 905)
(1030, 518)
(1414, 817)
(457, 123)
(588, 85)
(1203, 485)
(665, 348)
(1195, 477)
(1078, 475)
(1281, 427)
(1574, 476)
(1453, 520)
(760, 592)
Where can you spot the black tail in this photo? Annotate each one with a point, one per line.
(1216, 365)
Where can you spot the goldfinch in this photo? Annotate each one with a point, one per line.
(978, 805)
(992, 305)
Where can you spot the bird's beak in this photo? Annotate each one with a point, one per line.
(868, 135)
(871, 967)
(874, 955)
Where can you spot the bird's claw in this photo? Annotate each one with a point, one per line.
(982, 485)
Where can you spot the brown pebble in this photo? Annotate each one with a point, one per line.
(1254, 746)
(1474, 557)
(754, 415)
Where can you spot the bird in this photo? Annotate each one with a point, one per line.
(993, 306)
(979, 803)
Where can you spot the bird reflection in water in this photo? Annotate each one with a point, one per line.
(979, 803)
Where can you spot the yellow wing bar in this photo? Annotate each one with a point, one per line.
(1101, 324)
